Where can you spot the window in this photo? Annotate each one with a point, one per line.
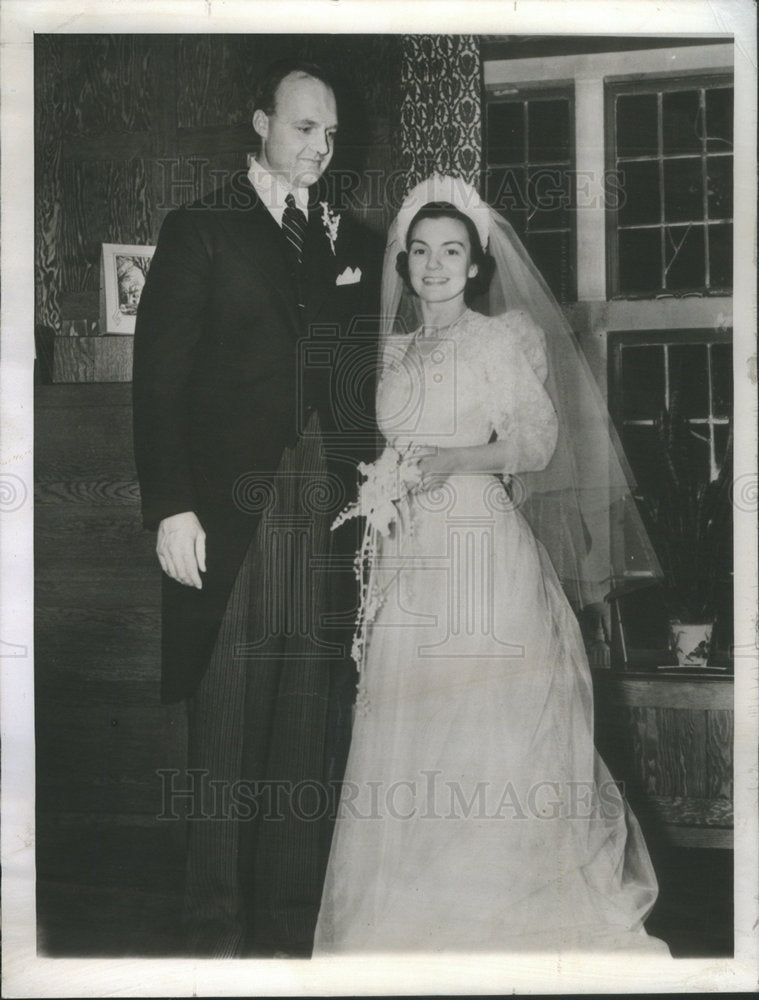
(670, 208)
(529, 147)
(688, 372)
(650, 370)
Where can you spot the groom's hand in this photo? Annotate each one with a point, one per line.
(181, 548)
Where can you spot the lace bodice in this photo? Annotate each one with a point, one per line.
(485, 375)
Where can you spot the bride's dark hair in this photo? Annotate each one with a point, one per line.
(475, 286)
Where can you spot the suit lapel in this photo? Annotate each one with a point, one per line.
(257, 236)
(319, 265)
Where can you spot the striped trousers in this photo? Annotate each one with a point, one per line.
(267, 728)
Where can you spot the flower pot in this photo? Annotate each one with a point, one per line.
(691, 642)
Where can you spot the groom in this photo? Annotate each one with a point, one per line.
(231, 419)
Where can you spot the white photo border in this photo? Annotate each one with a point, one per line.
(26, 974)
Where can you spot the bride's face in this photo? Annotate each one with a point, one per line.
(440, 259)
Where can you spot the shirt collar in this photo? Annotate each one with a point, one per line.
(272, 191)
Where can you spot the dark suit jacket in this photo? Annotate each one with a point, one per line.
(220, 387)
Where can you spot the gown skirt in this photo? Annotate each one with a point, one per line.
(476, 813)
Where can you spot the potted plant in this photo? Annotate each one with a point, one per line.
(689, 515)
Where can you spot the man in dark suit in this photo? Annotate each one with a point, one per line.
(230, 425)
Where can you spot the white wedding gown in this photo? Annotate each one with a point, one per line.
(476, 813)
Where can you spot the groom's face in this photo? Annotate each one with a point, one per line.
(298, 136)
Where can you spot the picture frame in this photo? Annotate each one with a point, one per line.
(123, 269)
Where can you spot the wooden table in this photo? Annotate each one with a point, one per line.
(668, 737)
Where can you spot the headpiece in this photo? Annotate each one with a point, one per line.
(453, 190)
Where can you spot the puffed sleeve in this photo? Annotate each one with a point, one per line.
(521, 410)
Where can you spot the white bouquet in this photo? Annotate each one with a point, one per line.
(386, 481)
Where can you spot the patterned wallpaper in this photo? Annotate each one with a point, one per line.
(440, 116)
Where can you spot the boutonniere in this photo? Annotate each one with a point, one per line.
(331, 221)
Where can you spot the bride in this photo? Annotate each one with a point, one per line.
(475, 812)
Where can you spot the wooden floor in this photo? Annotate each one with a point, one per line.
(104, 892)
(694, 911)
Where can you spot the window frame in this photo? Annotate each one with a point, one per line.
(670, 337)
(536, 91)
(650, 84)
(648, 657)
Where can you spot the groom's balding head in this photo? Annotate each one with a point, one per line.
(296, 119)
(267, 85)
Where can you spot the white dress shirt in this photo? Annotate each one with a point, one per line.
(272, 191)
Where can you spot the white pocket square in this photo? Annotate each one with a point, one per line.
(349, 276)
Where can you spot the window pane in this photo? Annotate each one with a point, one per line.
(548, 131)
(689, 376)
(721, 440)
(505, 132)
(719, 119)
(642, 382)
(636, 125)
(552, 255)
(506, 193)
(684, 257)
(640, 448)
(683, 190)
(722, 379)
(681, 122)
(639, 260)
(700, 452)
(721, 257)
(639, 194)
(672, 166)
(719, 186)
(548, 191)
(644, 615)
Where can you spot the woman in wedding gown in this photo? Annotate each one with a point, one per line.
(475, 812)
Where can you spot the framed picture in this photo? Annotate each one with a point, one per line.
(123, 269)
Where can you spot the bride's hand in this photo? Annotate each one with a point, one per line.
(434, 465)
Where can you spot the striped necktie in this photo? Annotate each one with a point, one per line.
(294, 227)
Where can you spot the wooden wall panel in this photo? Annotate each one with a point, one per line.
(674, 752)
(719, 754)
(92, 359)
(670, 742)
(109, 202)
(48, 112)
(107, 82)
(216, 75)
(194, 172)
